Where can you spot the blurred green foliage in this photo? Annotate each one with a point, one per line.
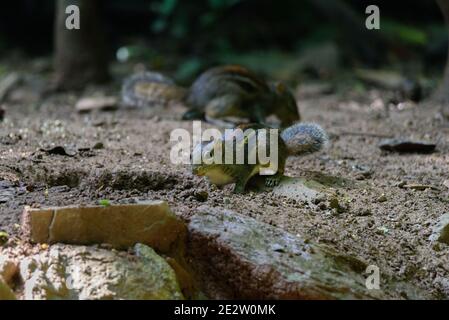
(188, 69)
(285, 40)
(104, 202)
(403, 33)
(179, 18)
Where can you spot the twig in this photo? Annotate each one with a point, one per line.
(366, 134)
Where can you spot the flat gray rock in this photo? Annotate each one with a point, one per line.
(300, 189)
(7, 191)
(80, 273)
(239, 257)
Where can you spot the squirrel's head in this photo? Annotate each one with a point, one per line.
(286, 104)
(202, 157)
(199, 169)
(302, 138)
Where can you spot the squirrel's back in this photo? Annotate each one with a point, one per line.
(150, 88)
(303, 138)
(223, 80)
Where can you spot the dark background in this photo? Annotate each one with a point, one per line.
(185, 37)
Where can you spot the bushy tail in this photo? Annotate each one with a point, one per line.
(149, 89)
(302, 138)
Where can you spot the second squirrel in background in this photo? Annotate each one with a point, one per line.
(218, 93)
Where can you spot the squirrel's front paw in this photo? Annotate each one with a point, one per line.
(239, 189)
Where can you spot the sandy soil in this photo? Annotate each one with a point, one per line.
(134, 163)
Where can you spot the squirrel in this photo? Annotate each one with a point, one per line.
(296, 140)
(219, 92)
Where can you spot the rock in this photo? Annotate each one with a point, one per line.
(322, 206)
(443, 284)
(60, 150)
(440, 231)
(401, 184)
(81, 272)
(10, 139)
(363, 212)
(25, 95)
(334, 203)
(311, 90)
(98, 145)
(151, 223)
(382, 198)
(362, 172)
(300, 189)
(446, 183)
(201, 195)
(380, 78)
(445, 113)
(407, 146)
(96, 103)
(403, 87)
(7, 191)
(5, 292)
(360, 176)
(382, 230)
(239, 257)
(8, 269)
(7, 83)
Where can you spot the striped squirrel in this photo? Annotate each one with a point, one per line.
(218, 93)
(296, 140)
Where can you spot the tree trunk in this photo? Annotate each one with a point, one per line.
(442, 93)
(81, 55)
(370, 44)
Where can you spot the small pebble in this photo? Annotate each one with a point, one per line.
(382, 230)
(98, 145)
(364, 212)
(201, 195)
(446, 183)
(401, 184)
(335, 204)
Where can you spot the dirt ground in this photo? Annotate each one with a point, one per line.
(124, 156)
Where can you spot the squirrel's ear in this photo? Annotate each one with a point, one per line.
(280, 87)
